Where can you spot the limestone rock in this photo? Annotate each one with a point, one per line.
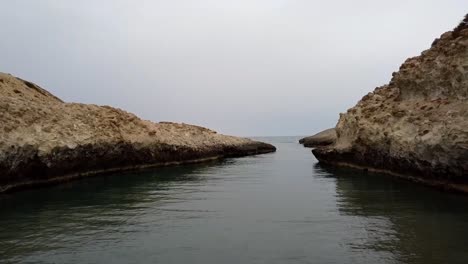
(323, 138)
(44, 140)
(417, 125)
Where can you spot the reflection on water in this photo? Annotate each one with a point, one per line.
(274, 208)
(413, 223)
(103, 207)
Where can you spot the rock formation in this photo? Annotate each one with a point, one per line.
(324, 138)
(417, 125)
(45, 140)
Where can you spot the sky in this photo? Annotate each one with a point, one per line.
(243, 67)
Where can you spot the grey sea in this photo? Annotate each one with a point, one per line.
(274, 208)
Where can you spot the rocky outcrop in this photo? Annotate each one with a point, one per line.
(44, 140)
(324, 138)
(417, 125)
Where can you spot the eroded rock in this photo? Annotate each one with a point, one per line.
(324, 138)
(44, 140)
(417, 125)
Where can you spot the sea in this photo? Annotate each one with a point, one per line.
(282, 207)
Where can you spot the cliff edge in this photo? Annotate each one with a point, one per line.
(417, 125)
(45, 140)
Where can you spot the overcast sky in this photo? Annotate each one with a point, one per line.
(241, 67)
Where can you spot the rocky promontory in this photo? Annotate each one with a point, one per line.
(324, 138)
(416, 126)
(45, 140)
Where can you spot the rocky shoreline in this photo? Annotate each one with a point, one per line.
(415, 127)
(45, 140)
(393, 167)
(324, 138)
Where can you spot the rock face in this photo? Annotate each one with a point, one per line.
(324, 138)
(417, 125)
(44, 140)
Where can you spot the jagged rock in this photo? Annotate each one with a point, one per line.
(44, 140)
(416, 126)
(323, 138)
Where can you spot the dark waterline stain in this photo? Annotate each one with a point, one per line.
(273, 208)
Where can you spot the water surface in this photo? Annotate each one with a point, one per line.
(273, 208)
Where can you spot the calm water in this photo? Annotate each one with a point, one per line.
(274, 208)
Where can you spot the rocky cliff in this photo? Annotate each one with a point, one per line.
(417, 125)
(44, 140)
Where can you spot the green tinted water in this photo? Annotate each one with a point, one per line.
(274, 208)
